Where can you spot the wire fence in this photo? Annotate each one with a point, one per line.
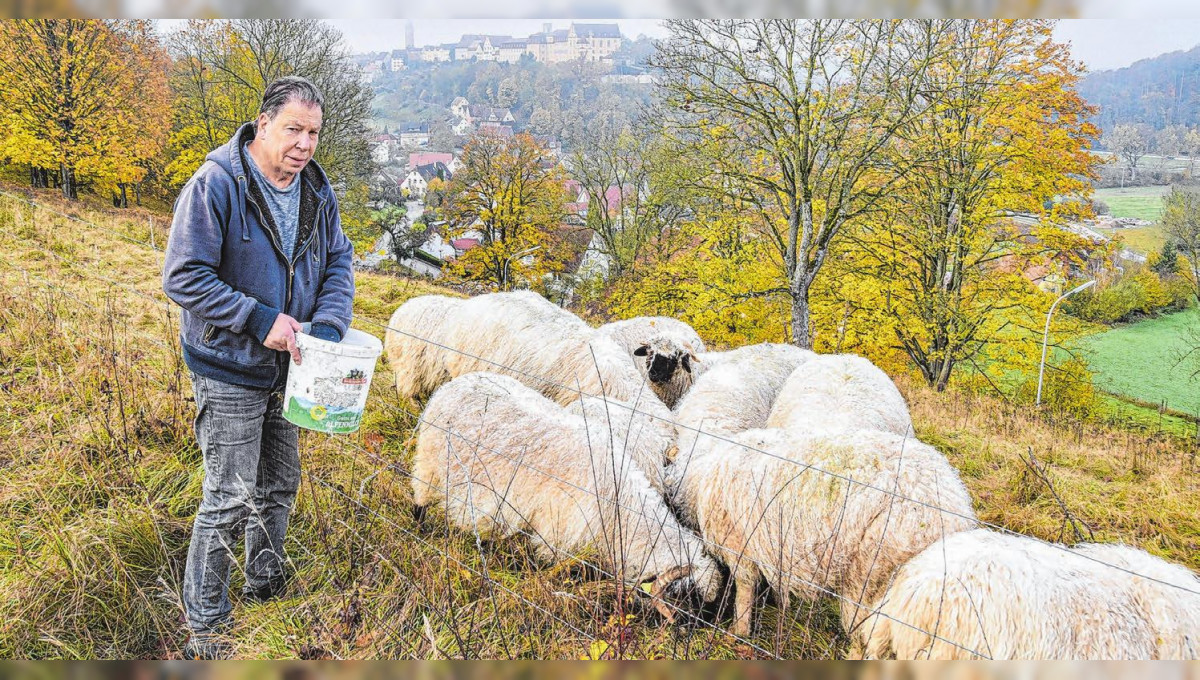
(893, 496)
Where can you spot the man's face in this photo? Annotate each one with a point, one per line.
(290, 139)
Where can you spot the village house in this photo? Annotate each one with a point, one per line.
(396, 61)
(417, 180)
(437, 53)
(479, 47)
(414, 135)
(471, 118)
(419, 158)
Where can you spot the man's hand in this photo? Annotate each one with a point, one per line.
(283, 336)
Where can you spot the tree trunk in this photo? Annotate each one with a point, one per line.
(124, 197)
(69, 190)
(137, 193)
(801, 333)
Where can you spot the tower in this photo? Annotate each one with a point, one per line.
(408, 35)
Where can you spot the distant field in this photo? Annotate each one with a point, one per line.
(1138, 360)
(1141, 202)
(1144, 240)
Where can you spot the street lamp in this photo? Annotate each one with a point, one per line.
(1046, 336)
(517, 255)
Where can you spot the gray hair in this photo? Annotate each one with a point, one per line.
(289, 88)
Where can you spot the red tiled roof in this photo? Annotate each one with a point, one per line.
(427, 157)
(464, 244)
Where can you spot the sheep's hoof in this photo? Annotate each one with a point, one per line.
(420, 513)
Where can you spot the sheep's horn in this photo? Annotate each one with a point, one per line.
(660, 584)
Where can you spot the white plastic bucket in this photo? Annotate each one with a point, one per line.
(328, 390)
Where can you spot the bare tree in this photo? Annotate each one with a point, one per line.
(1129, 143)
(633, 195)
(791, 117)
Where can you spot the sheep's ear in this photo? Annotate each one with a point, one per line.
(641, 351)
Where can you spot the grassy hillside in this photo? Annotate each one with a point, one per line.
(102, 479)
(1140, 360)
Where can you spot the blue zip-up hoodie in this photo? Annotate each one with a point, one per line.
(225, 268)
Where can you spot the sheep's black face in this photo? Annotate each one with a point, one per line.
(662, 368)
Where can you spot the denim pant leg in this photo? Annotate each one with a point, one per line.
(229, 428)
(274, 495)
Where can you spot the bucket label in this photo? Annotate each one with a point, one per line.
(322, 417)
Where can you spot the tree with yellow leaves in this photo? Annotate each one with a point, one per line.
(83, 99)
(1006, 133)
(511, 196)
(791, 118)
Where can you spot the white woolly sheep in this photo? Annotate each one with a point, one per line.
(791, 515)
(523, 335)
(663, 349)
(735, 392)
(985, 593)
(837, 393)
(1173, 612)
(504, 459)
(415, 361)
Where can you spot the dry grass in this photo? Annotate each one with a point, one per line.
(102, 478)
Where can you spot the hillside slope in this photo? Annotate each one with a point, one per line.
(102, 478)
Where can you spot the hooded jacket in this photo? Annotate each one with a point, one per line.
(224, 266)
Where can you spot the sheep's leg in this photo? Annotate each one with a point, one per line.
(419, 513)
(745, 577)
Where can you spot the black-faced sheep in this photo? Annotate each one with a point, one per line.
(664, 351)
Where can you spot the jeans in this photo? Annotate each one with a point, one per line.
(251, 475)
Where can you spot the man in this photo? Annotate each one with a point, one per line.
(256, 248)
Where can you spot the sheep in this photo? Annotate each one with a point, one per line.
(781, 505)
(837, 393)
(735, 392)
(523, 335)
(505, 459)
(1174, 612)
(415, 361)
(663, 349)
(985, 593)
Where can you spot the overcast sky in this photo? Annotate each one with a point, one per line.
(1115, 41)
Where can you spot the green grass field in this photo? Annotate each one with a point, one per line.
(1141, 202)
(1138, 360)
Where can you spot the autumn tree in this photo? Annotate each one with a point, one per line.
(509, 195)
(1009, 134)
(632, 187)
(1181, 222)
(403, 236)
(85, 100)
(791, 117)
(222, 68)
